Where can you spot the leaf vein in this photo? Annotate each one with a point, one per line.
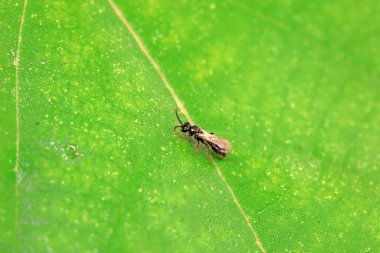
(17, 101)
(184, 111)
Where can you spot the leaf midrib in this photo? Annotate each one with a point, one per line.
(142, 47)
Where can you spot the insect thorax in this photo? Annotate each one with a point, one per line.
(195, 130)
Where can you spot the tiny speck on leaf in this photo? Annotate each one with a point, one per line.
(71, 151)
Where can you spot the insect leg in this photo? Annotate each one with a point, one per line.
(209, 151)
(195, 151)
(182, 134)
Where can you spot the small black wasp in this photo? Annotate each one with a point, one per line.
(220, 145)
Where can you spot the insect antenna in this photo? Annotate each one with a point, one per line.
(176, 127)
(178, 117)
(178, 120)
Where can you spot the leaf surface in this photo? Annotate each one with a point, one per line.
(293, 86)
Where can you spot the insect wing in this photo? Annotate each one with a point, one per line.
(220, 143)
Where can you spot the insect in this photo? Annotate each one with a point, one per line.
(220, 146)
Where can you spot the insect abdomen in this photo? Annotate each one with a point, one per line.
(219, 151)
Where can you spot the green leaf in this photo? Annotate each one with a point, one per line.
(89, 161)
